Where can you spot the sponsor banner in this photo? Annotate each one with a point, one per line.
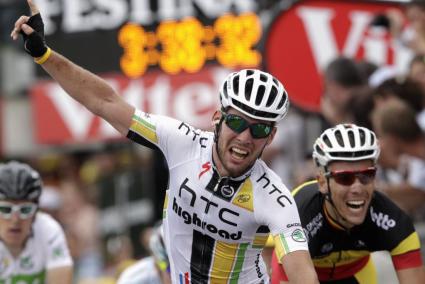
(303, 40)
(192, 98)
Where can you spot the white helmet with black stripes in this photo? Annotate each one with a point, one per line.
(346, 142)
(255, 93)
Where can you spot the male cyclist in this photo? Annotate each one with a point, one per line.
(345, 219)
(154, 269)
(222, 200)
(32, 244)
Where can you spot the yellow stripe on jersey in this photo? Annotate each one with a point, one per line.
(408, 244)
(144, 129)
(340, 258)
(224, 258)
(298, 188)
(280, 246)
(244, 198)
(367, 274)
(260, 240)
(164, 207)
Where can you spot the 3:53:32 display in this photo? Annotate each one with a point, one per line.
(186, 45)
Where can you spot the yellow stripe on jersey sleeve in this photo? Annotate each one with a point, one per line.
(408, 244)
(280, 246)
(298, 188)
(144, 129)
(244, 198)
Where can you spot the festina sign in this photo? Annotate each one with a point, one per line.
(74, 16)
(58, 119)
(304, 39)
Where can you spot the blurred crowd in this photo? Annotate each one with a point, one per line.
(114, 195)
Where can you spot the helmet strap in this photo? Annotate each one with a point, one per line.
(328, 197)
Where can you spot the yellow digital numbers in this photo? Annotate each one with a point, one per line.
(181, 46)
(186, 45)
(238, 34)
(133, 40)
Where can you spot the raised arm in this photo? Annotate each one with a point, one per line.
(90, 90)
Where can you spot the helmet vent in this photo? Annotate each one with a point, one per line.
(225, 90)
(351, 138)
(357, 154)
(338, 136)
(372, 140)
(362, 137)
(249, 72)
(320, 151)
(272, 96)
(275, 81)
(260, 95)
(263, 78)
(236, 85)
(327, 141)
(282, 100)
(248, 88)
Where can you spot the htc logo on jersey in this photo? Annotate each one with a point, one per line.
(194, 219)
(225, 215)
(382, 220)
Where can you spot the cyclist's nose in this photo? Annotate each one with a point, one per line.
(357, 186)
(14, 217)
(245, 135)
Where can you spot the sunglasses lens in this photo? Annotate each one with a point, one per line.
(348, 178)
(366, 176)
(236, 123)
(344, 178)
(260, 130)
(5, 210)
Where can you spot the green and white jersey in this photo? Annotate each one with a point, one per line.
(216, 227)
(45, 249)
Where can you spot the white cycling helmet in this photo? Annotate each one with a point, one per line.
(346, 142)
(255, 93)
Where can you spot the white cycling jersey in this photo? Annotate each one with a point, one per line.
(216, 227)
(45, 249)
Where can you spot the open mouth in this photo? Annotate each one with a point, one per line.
(238, 153)
(356, 204)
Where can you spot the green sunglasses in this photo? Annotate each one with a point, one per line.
(239, 124)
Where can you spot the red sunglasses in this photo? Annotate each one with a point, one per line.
(347, 178)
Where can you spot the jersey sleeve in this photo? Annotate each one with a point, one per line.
(399, 234)
(172, 137)
(280, 213)
(57, 248)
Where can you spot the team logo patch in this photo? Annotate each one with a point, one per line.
(227, 190)
(26, 262)
(298, 236)
(244, 198)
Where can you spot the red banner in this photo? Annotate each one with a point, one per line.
(303, 40)
(58, 119)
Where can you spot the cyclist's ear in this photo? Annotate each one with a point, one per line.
(216, 118)
(321, 181)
